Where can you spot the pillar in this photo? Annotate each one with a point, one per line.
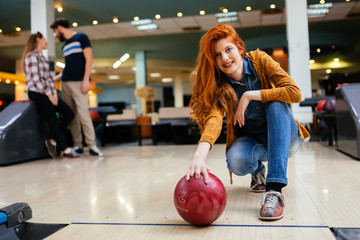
(179, 93)
(297, 32)
(140, 75)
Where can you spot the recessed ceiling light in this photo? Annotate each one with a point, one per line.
(157, 16)
(7, 81)
(60, 9)
(165, 80)
(18, 29)
(154, 75)
(60, 64)
(115, 19)
(179, 14)
(318, 50)
(312, 61)
(225, 10)
(95, 22)
(322, 1)
(248, 8)
(272, 6)
(0, 30)
(202, 12)
(136, 18)
(328, 71)
(74, 24)
(336, 60)
(16, 82)
(113, 77)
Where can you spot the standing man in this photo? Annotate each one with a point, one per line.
(75, 83)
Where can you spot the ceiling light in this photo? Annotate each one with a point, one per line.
(318, 10)
(328, 71)
(227, 17)
(157, 16)
(347, 0)
(272, 6)
(248, 8)
(322, 1)
(60, 9)
(117, 64)
(7, 81)
(146, 27)
(124, 57)
(113, 77)
(179, 14)
(95, 22)
(115, 19)
(318, 50)
(0, 30)
(336, 60)
(60, 64)
(166, 80)
(312, 61)
(18, 29)
(136, 18)
(225, 10)
(75, 24)
(202, 12)
(141, 22)
(16, 82)
(154, 75)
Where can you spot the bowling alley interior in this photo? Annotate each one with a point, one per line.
(144, 55)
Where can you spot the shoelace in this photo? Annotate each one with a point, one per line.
(271, 198)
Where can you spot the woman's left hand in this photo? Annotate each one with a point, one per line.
(239, 116)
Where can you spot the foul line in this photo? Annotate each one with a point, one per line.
(189, 225)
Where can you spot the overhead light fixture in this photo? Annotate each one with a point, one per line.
(60, 9)
(227, 17)
(336, 60)
(312, 61)
(225, 10)
(141, 22)
(113, 77)
(16, 82)
(7, 81)
(248, 8)
(117, 64)
(144, 24)
(154, 75)
(318, 50)
(318, 10)
(18, 29)
(322, 1)
(166, 80)
(328, 71)
(74, 24)
(179, 14)
(272, 6)
(202, 12)
(115, 19)
(60, 64)
(124, 57)
(157, 16)
(0, 30)
(95, 22)
(136, 18)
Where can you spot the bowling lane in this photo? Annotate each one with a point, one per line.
(188, 232)
(134, 185)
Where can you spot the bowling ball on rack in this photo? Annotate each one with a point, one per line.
(199, 203)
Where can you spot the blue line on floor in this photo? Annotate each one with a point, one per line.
(212, 225)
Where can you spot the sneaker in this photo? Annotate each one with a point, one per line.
(94, 151)
(78, 150)
(258, 181)
(51, 147)
(272, 206)
(71, 153)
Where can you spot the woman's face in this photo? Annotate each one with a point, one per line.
(228, 58)
(42, 43)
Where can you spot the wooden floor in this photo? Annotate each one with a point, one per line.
(128, 194)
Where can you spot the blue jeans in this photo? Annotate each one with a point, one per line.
(246, 154)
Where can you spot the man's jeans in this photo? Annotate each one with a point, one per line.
(283, 140)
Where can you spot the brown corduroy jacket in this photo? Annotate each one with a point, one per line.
(276, 85)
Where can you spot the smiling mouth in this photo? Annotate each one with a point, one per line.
(226, 65)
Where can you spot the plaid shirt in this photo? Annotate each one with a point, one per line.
(38, 77)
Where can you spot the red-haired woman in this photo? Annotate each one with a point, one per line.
(252, 91)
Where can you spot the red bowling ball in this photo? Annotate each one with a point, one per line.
(199, 203)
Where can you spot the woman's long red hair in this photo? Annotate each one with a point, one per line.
(210, 87)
